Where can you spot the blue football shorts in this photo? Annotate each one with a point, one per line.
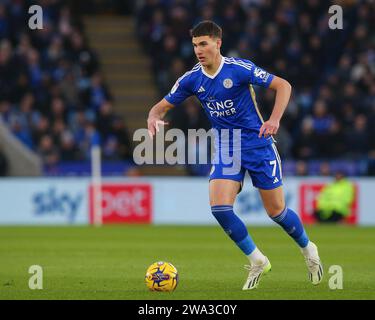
(263, 165)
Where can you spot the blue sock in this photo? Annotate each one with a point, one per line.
(292, 224)
(234, 227)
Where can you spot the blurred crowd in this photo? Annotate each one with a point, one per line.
(332, 71)
(52, 93)
(54, 99)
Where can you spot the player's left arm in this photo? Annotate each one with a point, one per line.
(283, 91)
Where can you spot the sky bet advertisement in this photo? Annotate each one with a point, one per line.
(71, 202)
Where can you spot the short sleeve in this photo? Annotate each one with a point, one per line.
(261, 77)
(256, 75)
(179, 92)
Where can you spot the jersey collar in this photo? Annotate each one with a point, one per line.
(217, 71)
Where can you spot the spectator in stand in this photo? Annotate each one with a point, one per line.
(21, 132)
(98, 92)
(69, 150)
(358, 138)
(125, 148)
(335, 200)
(110, 149)
(48, 151)
(301, 168)
(325, 169)
(104, 119)
(90, 138)
(305, 145)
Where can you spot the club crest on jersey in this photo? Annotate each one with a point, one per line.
(228, 83)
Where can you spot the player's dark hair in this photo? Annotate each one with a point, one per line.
(206, 28)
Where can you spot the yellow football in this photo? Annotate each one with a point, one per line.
(161, 276)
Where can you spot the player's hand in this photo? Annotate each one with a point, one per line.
(153, 125)
(269, 128)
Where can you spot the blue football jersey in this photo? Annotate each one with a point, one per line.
(228, 97)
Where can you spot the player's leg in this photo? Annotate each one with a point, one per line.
(223, 193)
(274, 204)
(267, 177)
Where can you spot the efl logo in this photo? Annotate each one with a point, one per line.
(308, 193)
(124, 203)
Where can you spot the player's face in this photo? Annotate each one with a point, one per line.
(206, 49)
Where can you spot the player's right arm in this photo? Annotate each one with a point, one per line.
(156, 115)
(179, 92)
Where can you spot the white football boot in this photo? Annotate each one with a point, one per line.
(314, 265)
(255, 274)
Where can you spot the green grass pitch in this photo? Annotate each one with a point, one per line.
(110, 262)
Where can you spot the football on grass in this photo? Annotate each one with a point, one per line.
(161, 276)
